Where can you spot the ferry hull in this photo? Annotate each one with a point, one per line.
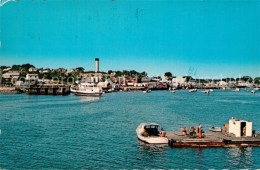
(87, 94)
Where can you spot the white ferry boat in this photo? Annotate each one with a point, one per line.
(88, 89)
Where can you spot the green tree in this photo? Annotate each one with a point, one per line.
(109, 71)
(3, 67)
(257, 80)
(80, 69)
(16, 67)
(133, 73)
(188, 78)
(118, 73)
(26, 67)
(168, 74)
(247, 78)
(144, 74)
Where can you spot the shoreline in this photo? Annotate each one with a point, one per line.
(15, 90)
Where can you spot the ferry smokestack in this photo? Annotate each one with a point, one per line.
(96, 65)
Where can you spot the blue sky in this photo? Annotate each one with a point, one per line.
(186, 37)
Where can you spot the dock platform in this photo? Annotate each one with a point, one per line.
(211, 139)
(48, 89)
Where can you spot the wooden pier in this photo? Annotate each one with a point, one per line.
(48, 89)
(211, 139)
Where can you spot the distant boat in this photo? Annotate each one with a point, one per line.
(192, 90)
(211, 90)
(147, 91)
(215, 129)
(256, 89)
(253, 91)
(173, 91)
(206, 91)
(237, 90)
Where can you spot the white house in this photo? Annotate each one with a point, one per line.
(178, 81)
(164, 80)
(19, 83)
(10, 75)
(32, 69)
(34, 77)
(105, 84)
(7, 69)
(222, 83)
(240, 127)
(46, 70)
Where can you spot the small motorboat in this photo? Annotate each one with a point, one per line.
(256, 89)
(237, 90)
(192, 90)
(253, 91)
(173, 91)
(211, 90)
(206, 91)
(215, 129)
(147, 91)
(151, 133)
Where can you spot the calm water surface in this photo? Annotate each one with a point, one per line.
(82, 132)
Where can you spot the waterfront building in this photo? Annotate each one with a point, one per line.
(19, 83)
(7, 69)
(70, 72)
(164, 80)
(32, 77)
(45, 71)
(176, 82)
(242, 84)
(91, 77)
(133, 80)
(240, 127)
(105, 84)
(11, 75)
(222, 83)
(61, 70)
(40, 70)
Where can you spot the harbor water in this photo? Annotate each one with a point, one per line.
(41, 132)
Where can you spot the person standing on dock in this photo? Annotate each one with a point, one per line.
(200, 130)
(162, 133)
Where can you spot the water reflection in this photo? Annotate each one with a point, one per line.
(155, 154)
(89, 98)
(240, 156)
(154, 148)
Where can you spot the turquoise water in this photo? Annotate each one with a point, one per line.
(81, 132)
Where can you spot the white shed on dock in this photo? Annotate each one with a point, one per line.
(240, 127)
